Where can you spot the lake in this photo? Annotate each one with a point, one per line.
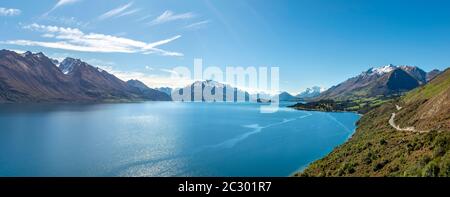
(164, 139)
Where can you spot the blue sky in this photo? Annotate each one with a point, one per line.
(313, 42)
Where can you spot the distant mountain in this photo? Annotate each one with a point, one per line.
(382, 81)
(417, 146)
(55, 62)
(415, 72)
(67, 65)
(99, 84)
(33, 77)
(137, 84)
(212, 86)
(285, 96)
(432, 74)
(149, 93)
(310, 92)
(166, 90)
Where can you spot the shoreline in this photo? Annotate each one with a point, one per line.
(302, 168)
(318, 110)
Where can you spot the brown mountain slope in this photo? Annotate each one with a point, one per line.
(149, 93)
(97, 83)
(382, 81)
(432, 74)
(35, 78)
(428, 107)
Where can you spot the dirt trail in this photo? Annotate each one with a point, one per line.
(398, 128)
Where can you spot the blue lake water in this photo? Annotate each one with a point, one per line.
(164, 139)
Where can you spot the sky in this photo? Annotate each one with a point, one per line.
(313, 42)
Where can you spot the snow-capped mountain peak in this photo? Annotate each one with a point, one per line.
(212, 83)
(39, 55)
(68, 64)
(311, 92)
(27, 53)
(414, 71)
(381, 70)
(31, 54)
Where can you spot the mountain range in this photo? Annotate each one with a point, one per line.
(307, 94)
(285, 96)
(33, 77)
(310, 93)
(369, 89)
(212, 86)
(166, 90)
(381, 81)
(258, 97)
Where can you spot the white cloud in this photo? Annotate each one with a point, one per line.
(149, 79)
(48, 35)
(59, 4)
(168, 16)
(9, 12)
(17, 51)
(76, 40)
(197, 24)
(60, 56)
(118, 12)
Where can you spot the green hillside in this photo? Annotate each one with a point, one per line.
(436, 86)
(379, 149)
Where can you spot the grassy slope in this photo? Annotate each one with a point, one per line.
(428, 107)
(376, 149)
(438, 85)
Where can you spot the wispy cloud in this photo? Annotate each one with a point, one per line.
(9, 12)
(152, 76)
(76, 40)
(163, 52)
(168, 16)
(64, 2)
(59, 4)
(100, 63)
(148, 78)
(130, 12)
(119, 12)
(170, 71)
(17, 50)
(197, 24)
(144, 18)
(67, 21)
(151, 80)
(60, 56)
(149, 75)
